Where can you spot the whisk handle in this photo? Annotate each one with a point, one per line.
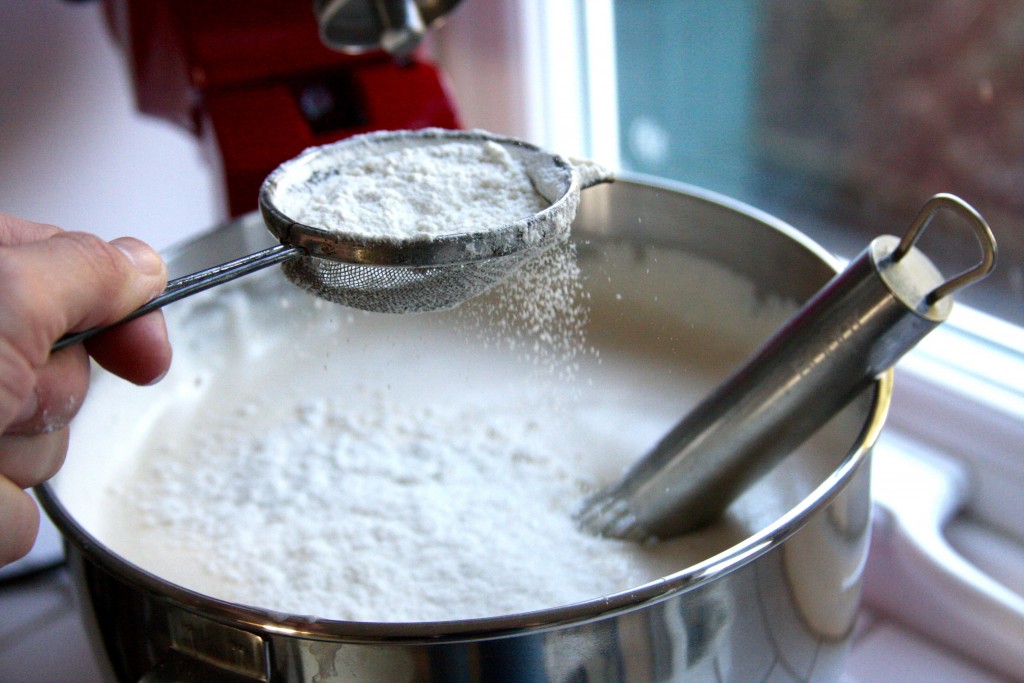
(194, 283)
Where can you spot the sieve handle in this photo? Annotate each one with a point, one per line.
(187, 285)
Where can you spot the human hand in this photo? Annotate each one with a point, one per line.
(53, 282)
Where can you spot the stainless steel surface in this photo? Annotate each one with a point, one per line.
(779, 604)
(387, 275)
(396, 26)
(859, 325)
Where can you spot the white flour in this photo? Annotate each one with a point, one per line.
(399, 471)
(381, 513)
(420, 192)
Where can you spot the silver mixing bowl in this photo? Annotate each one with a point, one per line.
(778, 605)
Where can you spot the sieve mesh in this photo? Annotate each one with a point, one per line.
(391, 289)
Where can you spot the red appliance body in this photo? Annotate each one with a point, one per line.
(254, 83)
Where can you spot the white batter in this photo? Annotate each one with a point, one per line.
(308, 459)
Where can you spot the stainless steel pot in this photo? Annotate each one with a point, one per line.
(777, 604)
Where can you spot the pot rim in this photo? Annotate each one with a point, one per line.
(483, 628)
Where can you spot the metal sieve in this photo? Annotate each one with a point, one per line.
(393, 275)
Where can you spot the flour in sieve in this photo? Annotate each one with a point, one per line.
(421, 192)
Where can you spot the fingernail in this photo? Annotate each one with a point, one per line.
(142, 256)
(158, 377)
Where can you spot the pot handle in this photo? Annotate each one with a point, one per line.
(204, 650)
(179, 668)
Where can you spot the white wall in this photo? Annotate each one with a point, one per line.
(73, 150)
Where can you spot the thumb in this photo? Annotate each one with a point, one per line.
(69, 282)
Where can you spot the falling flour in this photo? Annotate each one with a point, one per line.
(539, 313)
(419, 191)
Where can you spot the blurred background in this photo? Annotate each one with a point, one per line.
(74, 151)
(840, 116)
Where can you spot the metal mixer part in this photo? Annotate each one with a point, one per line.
(856, 327)
(396, 26)
(387, 275)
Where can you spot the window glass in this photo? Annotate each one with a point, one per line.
(839, 116)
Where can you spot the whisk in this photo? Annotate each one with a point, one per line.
(388, 275)
(855, 328)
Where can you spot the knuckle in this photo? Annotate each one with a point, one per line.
(22, 299)
(94, 253)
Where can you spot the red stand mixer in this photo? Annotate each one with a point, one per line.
(257, 83)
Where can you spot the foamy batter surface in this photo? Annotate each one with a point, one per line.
(397, 469)
(377, 513)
